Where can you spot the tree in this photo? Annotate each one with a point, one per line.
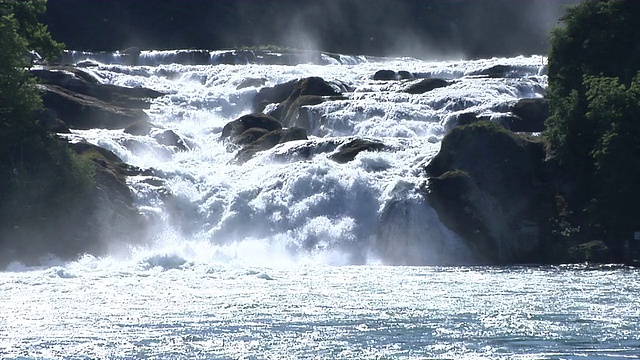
(595, 114)
(41, 181)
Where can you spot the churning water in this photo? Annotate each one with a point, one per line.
(283, 258)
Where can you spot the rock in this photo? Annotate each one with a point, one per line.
(272, 95)
(425, 85)
(269, 140)
(78, 81)
(250, 135)
(140, 128)
(51, 122)
(92, 219)
(488, 185)
(251, 82)
(405, 75)
(466, 119)
(85, 112)
(531, 115)
(385, 75)
(293, 115)
(236, 127)
(495, 71)
(348, 151)
(308, 91)
(171, 139)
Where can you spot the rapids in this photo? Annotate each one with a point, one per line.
(364, 211)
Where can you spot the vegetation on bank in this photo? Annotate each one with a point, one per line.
(43, 183)
(594, 126)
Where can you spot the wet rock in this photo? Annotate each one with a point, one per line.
(78, 81)
(488, 186)
(385, 75)
(80, 111)
(269, 140)
(171, 139)
(140, 128)
(405, 75)
(531, 115)
(249, 136)
(251, 82)
(272, 95)
(236, 127)
(426, 85)
(348, 151)
(496, 71)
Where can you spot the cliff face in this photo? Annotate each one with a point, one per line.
(422, 28)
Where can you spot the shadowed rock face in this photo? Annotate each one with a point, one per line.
(80, 221)
(76, 98)
(489, 186)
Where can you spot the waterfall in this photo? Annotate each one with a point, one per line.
(369, 209)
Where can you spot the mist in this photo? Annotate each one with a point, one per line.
(417, 28)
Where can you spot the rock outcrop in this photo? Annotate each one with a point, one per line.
(292, 97)
(489, 186)
(257, 132)
(531, 115)
(81, 102)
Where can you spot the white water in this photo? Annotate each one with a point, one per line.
(316, 206)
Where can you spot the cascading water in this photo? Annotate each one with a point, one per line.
(367, 210)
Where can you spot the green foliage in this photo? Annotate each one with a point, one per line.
(594, 127)
(36, 35)
(614, 111)
(18, 95)
(42, 182)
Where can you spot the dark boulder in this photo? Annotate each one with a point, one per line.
(269, 140)
(171, 139)
(385, 75)
(140, 128)
(251, 82)
(78, 81)
(426, 85)
(531, 115)
(405, 75)
(272, 95)
(348, 151)
(249, 136)
(236, 127)
(80, 111)
(489, 186)
(496, 71)
(308, 91)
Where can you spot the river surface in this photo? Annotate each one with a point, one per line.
(165, 307)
